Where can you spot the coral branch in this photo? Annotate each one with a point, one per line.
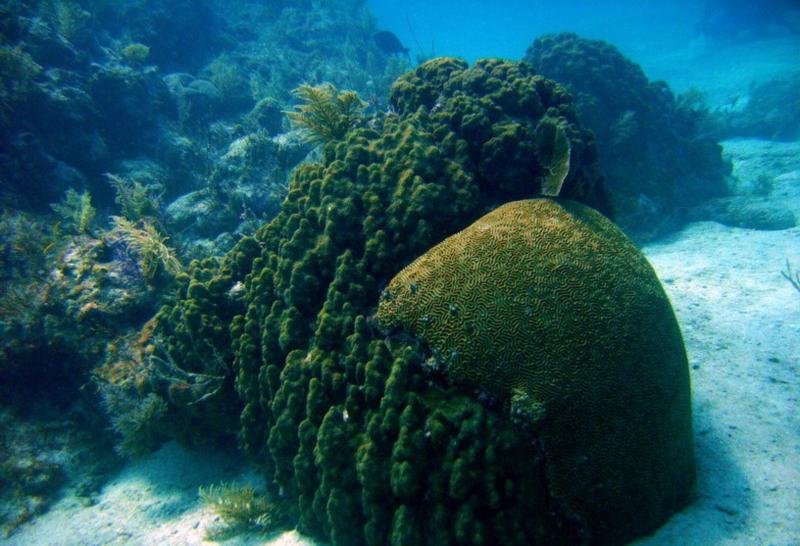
(792, 276)
(241, 509)
(326, 113)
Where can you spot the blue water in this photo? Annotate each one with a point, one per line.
(713, 45)
(473, 29)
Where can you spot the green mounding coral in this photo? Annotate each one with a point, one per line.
(504, 129)
(360, 439)
(547, 305)
(325, 113)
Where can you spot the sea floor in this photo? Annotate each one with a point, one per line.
(741, 323)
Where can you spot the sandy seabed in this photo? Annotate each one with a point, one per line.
(741, 323)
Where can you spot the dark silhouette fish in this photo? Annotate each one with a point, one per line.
(389, 43)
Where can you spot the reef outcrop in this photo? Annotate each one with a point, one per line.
(363, 435)
(655, 161)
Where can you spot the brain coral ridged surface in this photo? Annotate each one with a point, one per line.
(547, 305)
(360, 440)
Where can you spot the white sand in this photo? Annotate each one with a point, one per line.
(153, 501)
(741, 323)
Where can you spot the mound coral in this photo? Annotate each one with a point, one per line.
(655, 162)
(548, 306)
(361, 441)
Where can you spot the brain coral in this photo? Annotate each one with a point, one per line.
(358, 436)
(549, 306)
(655, 160)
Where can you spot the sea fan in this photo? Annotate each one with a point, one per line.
(76, 211)
(151, 247)
(241, 510)
(326, 114)
(137, 421)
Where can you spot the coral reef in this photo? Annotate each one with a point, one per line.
(48, 450)
(319, 42)
(65, 296)
(361, 436)
(169, 116)
(180, 35)
(39, 457)
(549, 307)
(94, 86)
(654, 159)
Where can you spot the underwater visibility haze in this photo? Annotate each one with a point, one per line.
(369, 273)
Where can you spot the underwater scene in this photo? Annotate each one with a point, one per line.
(380, 273)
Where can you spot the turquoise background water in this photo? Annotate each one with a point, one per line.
(472, 29)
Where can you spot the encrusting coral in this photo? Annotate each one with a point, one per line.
(362, 437)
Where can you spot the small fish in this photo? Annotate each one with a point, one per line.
(389, 43)
(554, 153)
